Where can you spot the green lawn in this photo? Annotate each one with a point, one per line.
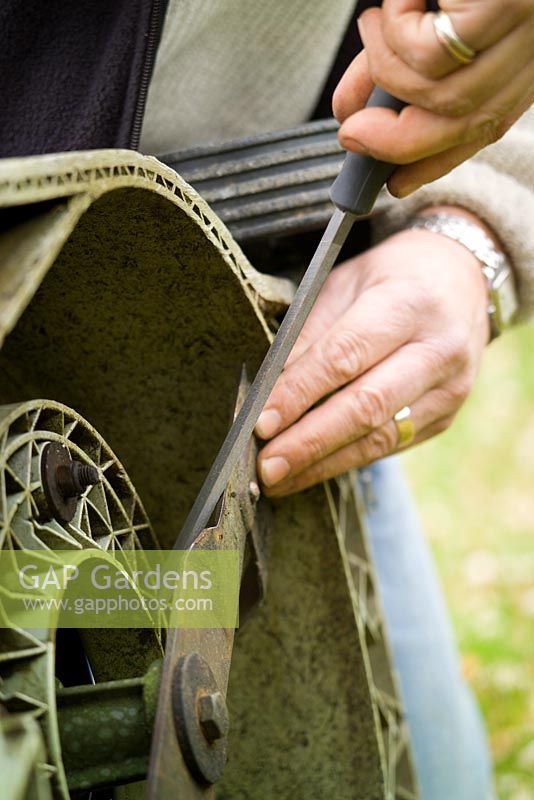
(475, 489)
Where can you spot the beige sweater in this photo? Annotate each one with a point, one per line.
(228, 68)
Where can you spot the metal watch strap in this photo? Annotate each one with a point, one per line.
(495, 265)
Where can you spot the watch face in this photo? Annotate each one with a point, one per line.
(504, 298)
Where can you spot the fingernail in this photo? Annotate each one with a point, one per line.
(273, 470)
(401, 191)
(268, 424)
(349, 143)
(361, 22)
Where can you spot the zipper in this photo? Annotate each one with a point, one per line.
(150, 52)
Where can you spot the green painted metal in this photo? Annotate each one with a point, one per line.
(105, 730)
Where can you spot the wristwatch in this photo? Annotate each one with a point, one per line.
(503, 304)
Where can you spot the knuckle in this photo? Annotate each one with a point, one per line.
(421, 93)
(488, 129)
(425, 95)
(379, 443)
(374, 58)
(343, 355)
(406, 148)
(424, 296)
(448, 103)
(423, 63)
(490, 132)
(454, 351)
(454, 359)
(381, 67)
(461, 350)
(321, 473)
(296, 396)
(504, 125)
(430, 69)
(418, 89)
(430, 359)
(376, 73)
(314, 447)
(442, 425)
(370, 406)
(459, 391)
(419, 60)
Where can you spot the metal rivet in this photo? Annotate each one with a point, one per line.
(213, 716)
(254, 490)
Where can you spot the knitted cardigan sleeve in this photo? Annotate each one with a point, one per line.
(498, 185)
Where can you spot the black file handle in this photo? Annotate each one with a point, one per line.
(357, 186)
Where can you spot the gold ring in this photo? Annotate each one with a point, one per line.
(450, 40)
(405, 427)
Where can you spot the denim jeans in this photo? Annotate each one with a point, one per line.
(449, 742)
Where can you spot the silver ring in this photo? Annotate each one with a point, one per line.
(453, 44)
(405, 427)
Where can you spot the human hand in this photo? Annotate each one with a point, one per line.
(403, 324)
(454, 110)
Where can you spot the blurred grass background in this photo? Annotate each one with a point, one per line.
(475, 491)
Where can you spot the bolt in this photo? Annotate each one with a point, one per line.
(213, 716)
(254, 490)
(75, 477)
